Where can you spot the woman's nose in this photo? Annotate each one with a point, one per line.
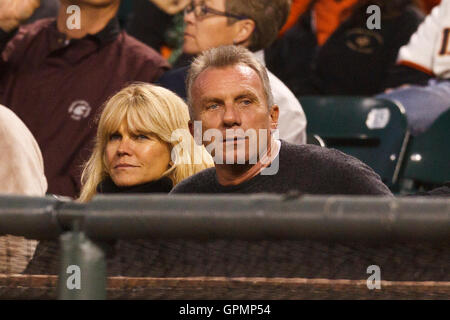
(125, 147)
(189, 17)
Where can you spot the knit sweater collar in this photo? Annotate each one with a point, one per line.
(253, 181)
(163, 185)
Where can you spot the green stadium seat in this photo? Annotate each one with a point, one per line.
(372, 130)
(427, 159)
(315, 139)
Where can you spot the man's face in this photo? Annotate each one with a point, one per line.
(232, 99)
(210, 31)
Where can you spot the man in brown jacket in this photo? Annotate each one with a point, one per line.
(55, 74)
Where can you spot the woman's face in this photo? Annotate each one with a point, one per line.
(210, 31)
(135, 158)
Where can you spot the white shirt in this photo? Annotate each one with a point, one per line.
(21, 173)
(22, 170)
(429, 47)
(292, 119)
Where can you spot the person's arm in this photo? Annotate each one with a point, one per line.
(12, 14)
(171, 6)
(415, 60)
(5, 37)
(402, 74)
(420, 51)
(149, 24)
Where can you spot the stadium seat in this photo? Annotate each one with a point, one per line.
(315, 139)
(372, 130)
(427, 159)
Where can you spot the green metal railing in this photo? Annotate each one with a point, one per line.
(82, 228)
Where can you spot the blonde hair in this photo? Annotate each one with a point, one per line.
(146, 108)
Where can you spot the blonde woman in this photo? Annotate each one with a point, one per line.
(143, 144)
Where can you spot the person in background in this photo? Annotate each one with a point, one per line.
(159, 24)
(229, 93)
(143, 144)
(420, 80)
(299, 7)
(253, 24)
(66, 71)
(22, 173)
(332, 51)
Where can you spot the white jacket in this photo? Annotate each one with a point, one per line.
(292, 119)
(428, 49)
(21, 173)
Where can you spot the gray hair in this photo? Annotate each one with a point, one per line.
(222, 57)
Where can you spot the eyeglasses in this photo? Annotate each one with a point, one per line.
(200, 10)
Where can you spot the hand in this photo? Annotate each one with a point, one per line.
(170, 6)
(15, 12)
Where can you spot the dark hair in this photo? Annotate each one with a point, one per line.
(269, 17)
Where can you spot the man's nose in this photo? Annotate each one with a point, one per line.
(231, 116)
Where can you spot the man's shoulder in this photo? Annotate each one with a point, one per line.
(37, 26)
(313, 152)
(198, 183)
(174, 80)
(29, 32)
(333, 169)
(315, 156)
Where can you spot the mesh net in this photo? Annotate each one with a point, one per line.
(235, 269)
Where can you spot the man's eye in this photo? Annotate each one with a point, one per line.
(212, 106)
(246, 102)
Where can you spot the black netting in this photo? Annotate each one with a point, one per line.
(233, 269)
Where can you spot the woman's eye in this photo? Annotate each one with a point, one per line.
(114, 136)
(142, 137)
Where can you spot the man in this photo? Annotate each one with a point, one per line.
(56, 74)
(253, 24)
(343, 47)
(229, 96)
(422, 73)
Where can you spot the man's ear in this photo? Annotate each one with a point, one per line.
(198, 136)
(274, 114)
(244, 30)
